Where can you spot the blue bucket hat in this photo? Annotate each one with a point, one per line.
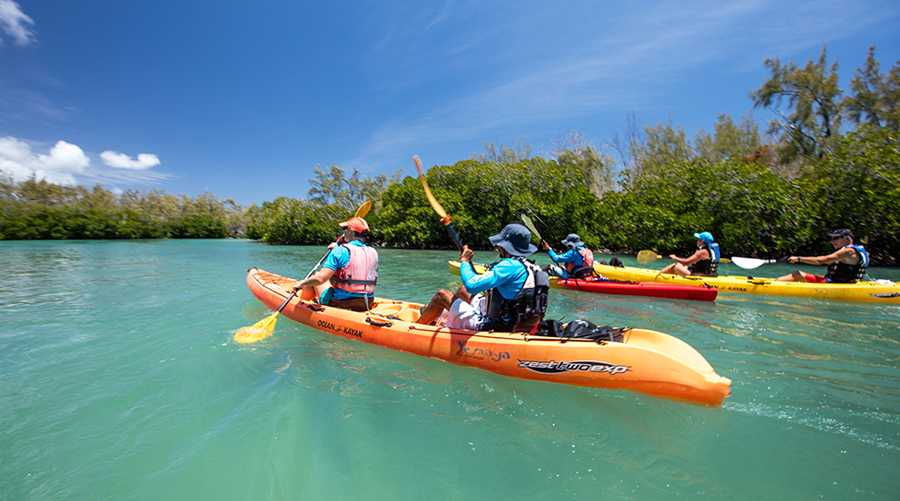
(705, 236)
(573, 240)
(516, 239)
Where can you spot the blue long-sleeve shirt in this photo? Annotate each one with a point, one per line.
(508, 277)
(572, 256)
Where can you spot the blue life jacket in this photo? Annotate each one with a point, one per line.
(526, 310)
(707, 266)
(842, 273)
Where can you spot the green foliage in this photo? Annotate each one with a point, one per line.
(876, 99)
(596, 168)
(482, 197)
(813, 121)
(333, 187)
(730, 139)
(40, 210)
(858, 187)
(504, 155)
(744, 205)
(298, 222)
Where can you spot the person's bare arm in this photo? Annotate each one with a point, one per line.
(318, 278)
(700, 255)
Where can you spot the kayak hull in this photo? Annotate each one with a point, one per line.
(689, 292)
(646, 289)
(644, 361)
(863, 292)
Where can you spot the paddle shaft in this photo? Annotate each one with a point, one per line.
(286, 301)
(445, 218)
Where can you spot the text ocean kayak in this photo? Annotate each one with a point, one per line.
(644, 361)
(692, 292)
(866, 292)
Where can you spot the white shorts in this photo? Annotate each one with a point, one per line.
(463, 315)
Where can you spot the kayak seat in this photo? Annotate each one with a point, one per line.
(586, 271)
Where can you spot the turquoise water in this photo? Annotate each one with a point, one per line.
(119, 379)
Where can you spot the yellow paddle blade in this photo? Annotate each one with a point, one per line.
(530, 226)
(433, 201)
(364, 209)
(647, 256)
(258, 331)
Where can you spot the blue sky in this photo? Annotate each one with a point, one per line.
(243, 99)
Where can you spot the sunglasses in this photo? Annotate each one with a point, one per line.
(836, 238)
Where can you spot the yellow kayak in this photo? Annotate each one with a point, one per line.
(862, 292)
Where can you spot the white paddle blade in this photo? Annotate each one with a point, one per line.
(748, 263)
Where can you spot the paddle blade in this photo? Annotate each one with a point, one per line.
(258, 331)
(433, 201)
(748, 263)
(647, 256)
(364, 209)
(530, 225)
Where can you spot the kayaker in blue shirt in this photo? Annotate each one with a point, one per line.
(578, 256)
(348, 275)
(847, 264)
(516, 289)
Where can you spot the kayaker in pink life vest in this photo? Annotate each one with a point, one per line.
(577, 257)
(348, 275)
(847, 264)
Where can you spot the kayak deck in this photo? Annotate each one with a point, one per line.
(644, 361)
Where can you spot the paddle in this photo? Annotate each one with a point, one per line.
(530, 225)
(262, 329)
(445, 219)
(648, 256)
(265, 327)
(748, 263)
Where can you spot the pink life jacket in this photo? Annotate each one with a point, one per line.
(588, 257)
(360, 273)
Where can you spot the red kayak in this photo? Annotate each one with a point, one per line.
(651, 289)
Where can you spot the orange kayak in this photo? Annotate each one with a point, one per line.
(641, 360)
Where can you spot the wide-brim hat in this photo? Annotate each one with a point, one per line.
(356, 224)
(705, 236)
(516, 239)
(573, 240)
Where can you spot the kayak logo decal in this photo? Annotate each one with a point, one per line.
(886, 295)
(340, 329)
(553, 367)
(480, 353)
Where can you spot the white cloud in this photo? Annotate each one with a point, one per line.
(122, 161)
(59, 166)
(15, 24)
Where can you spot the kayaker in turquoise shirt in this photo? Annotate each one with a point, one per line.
(578, 256)
(516, 289)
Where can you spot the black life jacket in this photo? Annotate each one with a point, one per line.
(526, 310)
(842, 273)
(707, 266)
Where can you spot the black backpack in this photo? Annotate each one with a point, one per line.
(580, 329)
